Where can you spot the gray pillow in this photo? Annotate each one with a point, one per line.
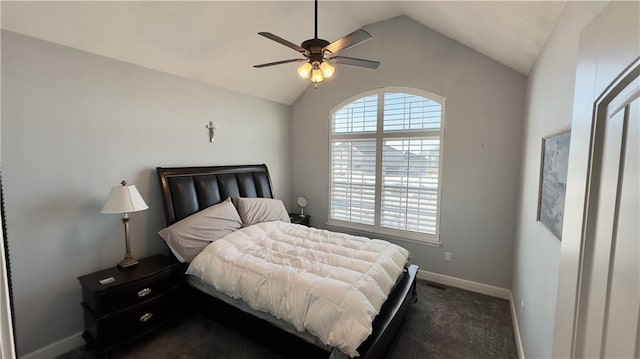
(186, 238)
(257, 210)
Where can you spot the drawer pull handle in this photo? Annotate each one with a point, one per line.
(146, 317)
(144, 292)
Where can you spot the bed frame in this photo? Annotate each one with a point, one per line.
(187, 190)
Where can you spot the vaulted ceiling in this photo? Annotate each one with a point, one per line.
(217, 43)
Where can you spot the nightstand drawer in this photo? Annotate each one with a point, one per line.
(130, 323)
(115, 299)
(122, 304)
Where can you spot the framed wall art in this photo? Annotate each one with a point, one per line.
(554, 164)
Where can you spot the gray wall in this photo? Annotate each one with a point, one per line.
(482, 144)
(549, 111)
(75, 124)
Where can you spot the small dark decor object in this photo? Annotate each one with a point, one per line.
(7, 261)
(321, 54)
(553, 181)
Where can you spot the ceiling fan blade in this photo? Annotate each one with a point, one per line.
(282, 41)
(352, 61)
(347, 41)
(278, 63)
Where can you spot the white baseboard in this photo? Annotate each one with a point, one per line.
(58, 348)
(516, 328)
(481, 288)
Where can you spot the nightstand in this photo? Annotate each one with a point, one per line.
(297, 219)
(129, 302)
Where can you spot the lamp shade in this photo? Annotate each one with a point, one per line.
(316, 76)
(327, 69)
(124, 199)
(305, 70)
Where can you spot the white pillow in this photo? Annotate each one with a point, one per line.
(258, 210)
(187, 237)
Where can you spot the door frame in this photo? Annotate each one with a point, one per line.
(585, 248)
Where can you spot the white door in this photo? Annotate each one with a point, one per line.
(598, 314)
(621, 321)
(608, 320)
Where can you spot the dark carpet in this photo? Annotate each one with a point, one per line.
(446, 322)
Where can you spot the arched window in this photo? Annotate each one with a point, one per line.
(386, 153)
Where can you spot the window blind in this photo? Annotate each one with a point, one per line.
(401, 192)
(410, 184)
(407, 112)
(353, 181)
(358, 116)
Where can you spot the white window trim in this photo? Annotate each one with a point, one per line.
(377, 230)
(387, 233)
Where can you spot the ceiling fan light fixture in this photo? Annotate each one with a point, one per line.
(320, 55)
(327, 69)
(316, 76)
(305, 70)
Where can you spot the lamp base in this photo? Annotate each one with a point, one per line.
(127, 262)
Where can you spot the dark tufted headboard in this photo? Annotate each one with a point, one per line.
(187, 190)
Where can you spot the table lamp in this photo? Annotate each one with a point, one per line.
(125, 199)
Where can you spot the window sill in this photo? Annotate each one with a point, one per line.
(363, 230)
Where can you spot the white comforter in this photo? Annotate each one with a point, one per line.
(329, 284)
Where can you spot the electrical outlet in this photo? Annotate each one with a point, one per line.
(522, 308)
(447, 256)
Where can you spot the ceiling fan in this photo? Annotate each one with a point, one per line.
(321, 54)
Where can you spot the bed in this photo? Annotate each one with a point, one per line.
(190, 190)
